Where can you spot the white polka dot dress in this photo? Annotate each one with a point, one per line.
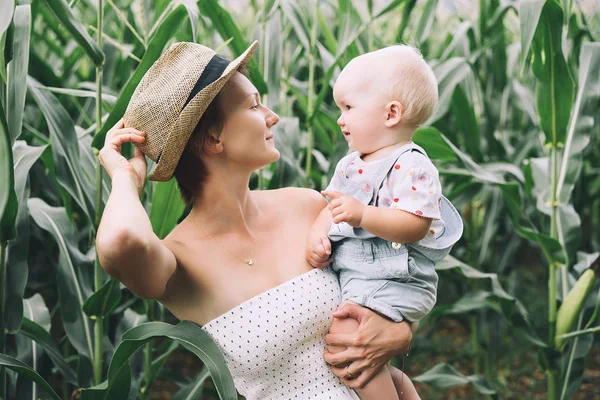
(273, 343)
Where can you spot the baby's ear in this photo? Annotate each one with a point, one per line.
(394, 113)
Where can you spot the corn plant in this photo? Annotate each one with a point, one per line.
(513, 137)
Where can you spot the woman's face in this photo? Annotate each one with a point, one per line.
(246, 135)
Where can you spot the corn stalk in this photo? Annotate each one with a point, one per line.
(311, 88)
(2, 307)
(98, 274)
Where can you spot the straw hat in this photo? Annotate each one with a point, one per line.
(172, 96)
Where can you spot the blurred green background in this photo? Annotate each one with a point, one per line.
(515, 138)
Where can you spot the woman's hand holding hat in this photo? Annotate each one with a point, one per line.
(113, 161)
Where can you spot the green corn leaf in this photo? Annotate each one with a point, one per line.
(159, 362)
(436, 147)
(103, 301)
(581, 124)
(16, 275)
(472, 168)
(17, 70)
(405, 19)
(426, 21)
(347, 46)
(26, 371)
(89, 162)
(350, 27)
(8, 197)
(109, 98)
(227, 28)
(7, 8)
(510, 307)
(551, 247)
(188, 334)
(6, 166)
(193, 11)
(466, 126)
(298, 21)
(40, 335)
(390, 7)
(72, 291)
(28, 350)
(458, 37)
(63, 12)
(3, 60)
(554, 87)
(448, 74)
(471, 301)
(510, 190)
(119, 389)
(65, 149)
(193, 391)
(288, 169)
(538, 181)
(271, 50)
(568, 226)
(167, 207)
(530, 12)
(491, 226)
(498, 17)
(513, 200)
(445, 376)
(568, 221)
(325, 29)
(163, 34)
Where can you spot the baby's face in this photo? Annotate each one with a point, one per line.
(360, 94)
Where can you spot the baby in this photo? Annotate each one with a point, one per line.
(387, 218)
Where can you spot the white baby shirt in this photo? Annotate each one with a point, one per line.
(412, 185)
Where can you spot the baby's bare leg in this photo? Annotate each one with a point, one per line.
(403, 385)
(381, 386)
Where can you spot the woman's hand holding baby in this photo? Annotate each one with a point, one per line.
(368, 349)
(345, 208)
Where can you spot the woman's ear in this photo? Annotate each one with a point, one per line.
(394, 114)
(214, 143)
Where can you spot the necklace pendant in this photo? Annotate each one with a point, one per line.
(249, 262)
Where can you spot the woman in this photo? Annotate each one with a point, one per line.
(236, 264)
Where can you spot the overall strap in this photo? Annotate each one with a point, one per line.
(346, 160)
(388, 164)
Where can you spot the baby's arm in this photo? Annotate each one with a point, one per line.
(318, 246)
(389, 224)
(395, 225)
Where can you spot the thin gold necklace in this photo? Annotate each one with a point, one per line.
(249, 261)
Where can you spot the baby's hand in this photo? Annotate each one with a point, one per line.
(345, 208)
(318, 250)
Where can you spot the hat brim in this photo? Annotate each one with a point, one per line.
(189, 117)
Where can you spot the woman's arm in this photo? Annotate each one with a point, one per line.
(375, 342)
(126, 245)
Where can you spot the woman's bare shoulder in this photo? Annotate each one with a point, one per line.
(299, 199)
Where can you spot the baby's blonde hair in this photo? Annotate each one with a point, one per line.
(413, 84)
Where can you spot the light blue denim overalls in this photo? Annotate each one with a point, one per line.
(398, 283)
